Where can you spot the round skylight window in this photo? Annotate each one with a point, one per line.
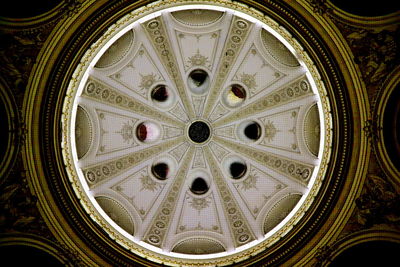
(196, 132)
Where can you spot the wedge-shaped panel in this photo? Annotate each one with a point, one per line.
(199, 214)
(141, 190)
(140, 74)
(257, 188)
(256, 73)
(116, 132)
(198, 50)
(280, 130)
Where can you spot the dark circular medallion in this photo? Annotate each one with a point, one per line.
(199, 132)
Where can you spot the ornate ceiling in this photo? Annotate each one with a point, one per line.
(197, 130)
(204, 132)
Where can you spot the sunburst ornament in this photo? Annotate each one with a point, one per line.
(198, 60)
(249, 80)
(270, 131)
(199, 203)
(148, 183)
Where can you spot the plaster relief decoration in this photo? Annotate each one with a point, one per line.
(198, 246)
(312, 130)
(179, 113)
(199, 161)
(170, 132)
(198, 49)
(105, 94)
(280, 130)
(197, 17)
(179, 151)
(256, 73)
(278, 50)
(218, 112)
(140, 74)
(141, 190)
(116, 132)
(226, 131)
(198, 103)
(257, 189)
(199, 214)
(200, 169)
(280, 210)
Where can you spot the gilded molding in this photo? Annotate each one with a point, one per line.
(237, 36)
(105, 171)
(327, 253)
(297, 90)
(162, 221)
(157, 33)
(65, 255)
(103, 93)
(386, 91)
(300, 172)
(239, 226)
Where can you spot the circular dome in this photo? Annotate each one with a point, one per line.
(238, 109)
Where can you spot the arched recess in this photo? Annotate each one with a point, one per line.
(340, 251)
(371, 253)
(387, 127)
(39, 9)
(9, 117)
(198, 245)
(28, 249)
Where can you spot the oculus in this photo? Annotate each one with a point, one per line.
(253, 131)
(237, 169)
(198, 81)
(199, 186)
(160, 170)
(147, 132)
(199, 132)
(235, 95)
(162, 96)
(160, 93)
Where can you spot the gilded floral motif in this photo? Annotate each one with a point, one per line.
(198, 60)
(148, 183)
(270, 131)
(249, 80)
(146, 81)
(250, 182)
(199, 203)
(127, 132)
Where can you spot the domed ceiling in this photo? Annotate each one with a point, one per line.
(196, 132)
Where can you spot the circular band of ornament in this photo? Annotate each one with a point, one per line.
(180, 101)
